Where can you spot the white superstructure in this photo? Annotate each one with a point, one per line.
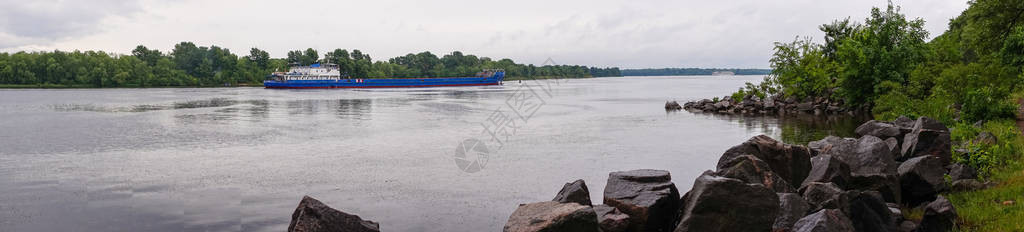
(312, 72)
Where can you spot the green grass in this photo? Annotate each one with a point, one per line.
(984, 210)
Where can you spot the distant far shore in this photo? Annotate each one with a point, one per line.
(693, 71)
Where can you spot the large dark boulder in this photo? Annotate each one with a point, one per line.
(314, 216)
(823, 196)
(648, 196)
(792, 207)
(750, 169)
(921, 178)
(870, 155)
(878, 129)
(872, 167)
(791, 162)
(724, 204)
(611, 219)
(940, 215)
(888, 185)
(552, 216)
(574, 192)
(928, 137)
(825, 220)
(868, 211)
(828, 168)
(832, 145)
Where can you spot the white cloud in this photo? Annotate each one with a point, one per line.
(628, 34)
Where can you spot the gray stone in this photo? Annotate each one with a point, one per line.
(921, 178)
(552, 216)
(574, 192)
(791, 162)
(752, 170)
(825, 220)
(611, 219)
(828, 168)
(792, 207)
(314, 216)
(823, 195)
(724, 204)
(940, 215)
(648, 196)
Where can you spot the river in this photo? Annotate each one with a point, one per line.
(240, 159)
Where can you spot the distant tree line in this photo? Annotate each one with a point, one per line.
(690, 71)
(190, 65)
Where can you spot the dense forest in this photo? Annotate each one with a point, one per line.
(690, 71)
(190, 65)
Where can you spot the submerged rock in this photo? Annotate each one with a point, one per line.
(575, 191)
(648, 196)
(552, 216)
(724, 204)
(314, 216)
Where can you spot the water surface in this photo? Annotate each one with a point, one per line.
(240, 159)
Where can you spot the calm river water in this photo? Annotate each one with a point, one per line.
(240, 159)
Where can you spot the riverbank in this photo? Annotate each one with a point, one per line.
(872, 183)
(1000, 207)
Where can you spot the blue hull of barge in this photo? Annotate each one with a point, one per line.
(385, 83)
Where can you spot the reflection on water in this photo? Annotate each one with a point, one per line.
(796, 128)
(240, 159)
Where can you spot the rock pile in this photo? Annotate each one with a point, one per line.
(834, 184)
(752, 104)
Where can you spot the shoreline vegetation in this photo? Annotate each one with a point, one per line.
(188, 65)
(968, 77)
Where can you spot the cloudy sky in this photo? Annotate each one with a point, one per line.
(628, 34)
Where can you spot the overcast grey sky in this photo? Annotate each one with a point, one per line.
(628, 34)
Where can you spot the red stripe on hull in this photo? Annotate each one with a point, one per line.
(375, 87)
